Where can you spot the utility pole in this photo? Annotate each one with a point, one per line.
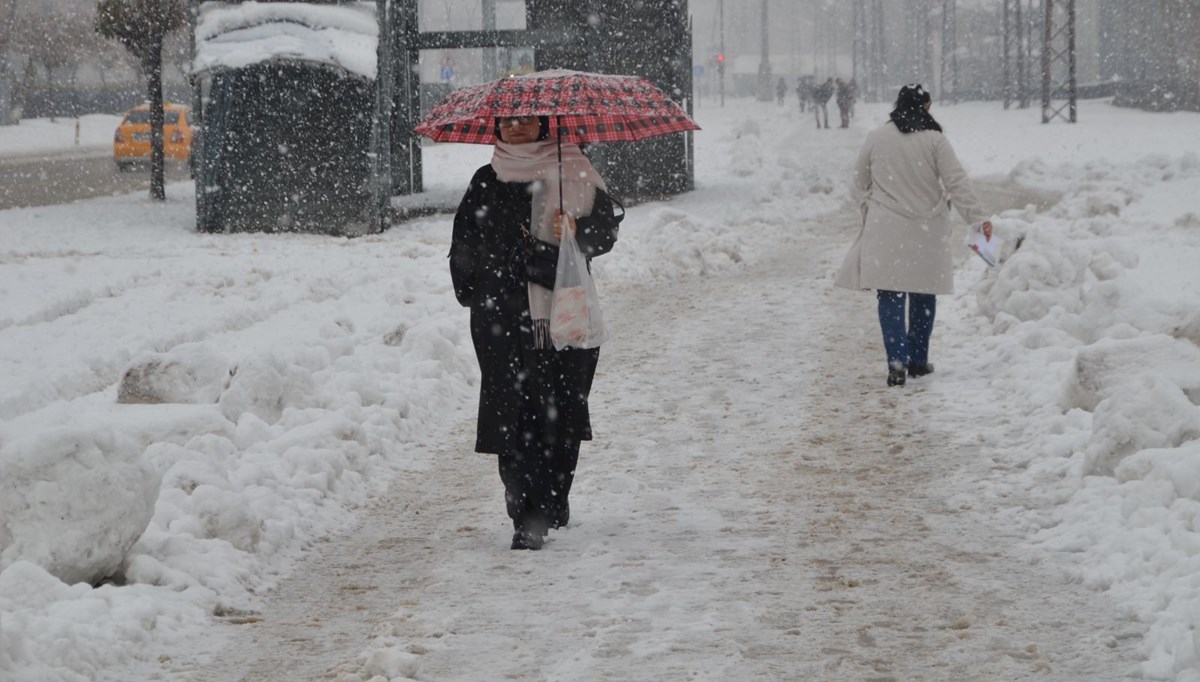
(858, 41)
(879, 49)
(1022, 53)
(764, 65)
(949, 84)
(489, 53)
(1007, 40)
(721, 54)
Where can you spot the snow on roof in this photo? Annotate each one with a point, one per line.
(232, 36)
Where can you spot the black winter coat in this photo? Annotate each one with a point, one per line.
(523, 390)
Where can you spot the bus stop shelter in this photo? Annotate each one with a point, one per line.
(308, 110)
(287, 96)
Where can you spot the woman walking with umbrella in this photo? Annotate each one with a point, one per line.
(533, 409)
(907, 177)
(533, 399)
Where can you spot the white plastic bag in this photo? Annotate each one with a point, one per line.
(575, 319)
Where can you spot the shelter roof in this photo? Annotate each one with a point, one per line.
(236, 35)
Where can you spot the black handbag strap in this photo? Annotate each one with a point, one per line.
(611, 198)
(621, 206)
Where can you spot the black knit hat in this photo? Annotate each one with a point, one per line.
(910, 115)
(913, 95)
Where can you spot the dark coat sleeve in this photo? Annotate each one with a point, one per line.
(596, 232)
(466, 245)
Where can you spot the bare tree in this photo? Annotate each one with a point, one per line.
(8, 19)
(142, 26)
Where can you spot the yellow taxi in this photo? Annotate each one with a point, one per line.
(131, 143)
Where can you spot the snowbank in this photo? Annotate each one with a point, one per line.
(36, 136)
(1094, 318)
(73, 501)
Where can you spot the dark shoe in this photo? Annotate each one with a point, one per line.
(523, 539)
(561, 516)
(896, 377)
(920, 370)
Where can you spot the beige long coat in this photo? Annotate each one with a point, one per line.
(905, 184)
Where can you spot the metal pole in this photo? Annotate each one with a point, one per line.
(721, 64)
(1047, 48)
(1022, 85)
(881, 67)
(764, 65)
(406, 147)
(1005, 59)
(859, 44)
(381, 168)
(949, 85)
(1071, 82)
(196, 155)
(489, 53)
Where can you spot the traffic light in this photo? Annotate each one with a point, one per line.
(720, 58)
(721, 63)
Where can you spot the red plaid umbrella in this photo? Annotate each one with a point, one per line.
(588, 107)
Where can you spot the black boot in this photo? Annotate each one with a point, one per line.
(562, 514)
(920, 370)
(524, 539)
(896, 377)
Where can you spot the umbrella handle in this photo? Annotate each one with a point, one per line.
(558, 137)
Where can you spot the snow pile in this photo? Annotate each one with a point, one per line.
(189, 373)
(1095, 312)
(92, 629)
(73, 501)
(238, 35)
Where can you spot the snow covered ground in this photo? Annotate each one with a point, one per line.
(273, 388)
(35, 136)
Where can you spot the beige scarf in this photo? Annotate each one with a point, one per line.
(537, 164)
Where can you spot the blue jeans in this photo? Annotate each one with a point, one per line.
(906, 344)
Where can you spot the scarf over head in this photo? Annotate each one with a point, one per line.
(910, 114)
(537, 163)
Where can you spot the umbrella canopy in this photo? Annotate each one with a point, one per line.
(587, 107)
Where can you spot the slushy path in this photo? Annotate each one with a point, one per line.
(757, 506)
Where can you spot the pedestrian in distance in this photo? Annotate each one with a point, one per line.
(533, 399)
(844, 101)
(853, 88)
(804, 90)
(780, 90)
(907, 178)
(820, 97)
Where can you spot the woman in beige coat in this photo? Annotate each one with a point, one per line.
(906, 179)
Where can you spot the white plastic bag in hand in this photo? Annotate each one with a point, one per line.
(987, 248)
(575, 319)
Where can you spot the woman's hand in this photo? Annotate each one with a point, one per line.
(987, 230)
(558, 216)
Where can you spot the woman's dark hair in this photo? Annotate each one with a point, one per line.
(909, 114)
(543, 128)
